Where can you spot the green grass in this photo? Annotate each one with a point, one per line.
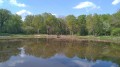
(111, 38)
(17, 36)
(115, 39)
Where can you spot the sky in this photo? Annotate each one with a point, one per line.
(60, 7)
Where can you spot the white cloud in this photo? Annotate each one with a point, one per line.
(115, 2)
(23, 13)
(22, 54)
(84, 64)
(86, 4)
(14, 2)
(1, 1)
(13, 63)
(54, 14)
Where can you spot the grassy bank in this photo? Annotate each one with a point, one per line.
(115, 39)
(66, 37)
(17, 36)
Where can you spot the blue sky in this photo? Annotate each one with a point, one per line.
(61, 7)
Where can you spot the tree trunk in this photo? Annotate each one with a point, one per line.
(38, 31)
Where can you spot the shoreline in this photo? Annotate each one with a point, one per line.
(111, 39)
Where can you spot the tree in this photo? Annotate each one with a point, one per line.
(89, 24)
(4, 17)
(13, 25)
(62, 26)
(71, 23)
(106, 20)
(116, 19)
(38, 22)
(50, 22)
(82, 25)
(94, 25)
(28, 20)
(115, 32)
(27, 25)
(98, 25)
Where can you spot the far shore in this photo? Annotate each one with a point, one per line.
(66, 37)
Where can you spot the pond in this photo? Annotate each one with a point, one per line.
(58, 53)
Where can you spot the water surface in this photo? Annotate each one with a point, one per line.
(55, 53)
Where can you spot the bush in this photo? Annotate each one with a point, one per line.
(28, 30)
(116, 32)
(4, 34)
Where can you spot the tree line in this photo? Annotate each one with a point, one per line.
(46, 23)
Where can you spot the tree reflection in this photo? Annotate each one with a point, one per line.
(90, 50)
(8, 49)
(47, 48)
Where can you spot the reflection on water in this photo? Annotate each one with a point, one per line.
(56, 53)
(22, 53)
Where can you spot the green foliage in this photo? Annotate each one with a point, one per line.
(50, 22)
(89, 24)
(28, 20)
(116, 19)
(28, 30)
(116, 32)
(4, 17)
(106, 20)
(62, 26)
(71, 23)
(46, 23)
(97, 26)
(13, 25)
(4, 34)
(81, 25)
(37, 22)
(27, 25)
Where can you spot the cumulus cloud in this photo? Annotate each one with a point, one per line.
(1, 1)
(86, 4)
(22, 54)
(23, 12)
(54, 14)
(115, 2)
(14, 2)
(13, 63)
(84, 64)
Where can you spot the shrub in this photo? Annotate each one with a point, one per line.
(116, 32)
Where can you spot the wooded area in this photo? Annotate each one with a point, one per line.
(46, 23)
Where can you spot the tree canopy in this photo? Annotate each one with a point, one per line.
(46, 23)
